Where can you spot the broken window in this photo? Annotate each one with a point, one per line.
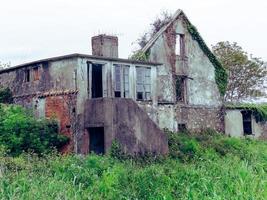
(36, 73)
(27, 75)
(121, 73)
(180, 45)
(247, 122)
(143, 83)
(180, 88)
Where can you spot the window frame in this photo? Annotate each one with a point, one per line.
(145, 95)
(120, 85)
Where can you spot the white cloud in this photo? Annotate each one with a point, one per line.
(34, 29)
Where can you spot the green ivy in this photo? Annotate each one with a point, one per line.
(140, 56)
(258, 110)
(220, 73)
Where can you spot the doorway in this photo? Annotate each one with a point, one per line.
(97, 83)
(96, 138)
(247, 122)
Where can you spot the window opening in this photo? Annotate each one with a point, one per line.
(97, 84)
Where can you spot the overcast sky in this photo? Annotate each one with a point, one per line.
(35, 29)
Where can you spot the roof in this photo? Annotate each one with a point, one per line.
(77, 55)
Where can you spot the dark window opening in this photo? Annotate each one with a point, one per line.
(140, 96)
(247, 119)
(182, 127)
(96, 140)
(97, 85)
(180, 89)
(27, 75)
(117, 94)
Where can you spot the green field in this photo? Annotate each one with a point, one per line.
(200, 166)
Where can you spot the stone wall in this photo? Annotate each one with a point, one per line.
(198, 119)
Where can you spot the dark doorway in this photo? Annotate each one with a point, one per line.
(97, 86)
(247, 126)
(96, 137)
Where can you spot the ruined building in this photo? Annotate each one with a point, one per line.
(100, 98)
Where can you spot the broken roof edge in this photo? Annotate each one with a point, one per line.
(77, 55)
(156, 36)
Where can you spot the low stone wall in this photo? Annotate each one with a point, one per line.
(198, 119)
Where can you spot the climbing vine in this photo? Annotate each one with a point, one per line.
(258, 110)
(140, 56)
(220, 73)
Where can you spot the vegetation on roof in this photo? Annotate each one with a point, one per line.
(258, 110)
(220, 73)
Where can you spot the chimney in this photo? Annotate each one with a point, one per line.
(105, 45)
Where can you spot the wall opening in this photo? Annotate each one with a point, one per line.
(97, 83)
(27, 75)
(180, 89)
(180, 45)
(96, 140)
(182, 127)
(247, 122)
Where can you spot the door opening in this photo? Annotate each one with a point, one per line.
(247, 123)
(97, 83)
(96, 138)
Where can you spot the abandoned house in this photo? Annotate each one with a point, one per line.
(100, 98)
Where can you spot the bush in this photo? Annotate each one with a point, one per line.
(6, 95)
(20, 131)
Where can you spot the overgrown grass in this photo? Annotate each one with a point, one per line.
(200, 166)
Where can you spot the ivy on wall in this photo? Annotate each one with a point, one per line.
(220, 73)
(258, 110)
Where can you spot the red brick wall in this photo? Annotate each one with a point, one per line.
(57, 107)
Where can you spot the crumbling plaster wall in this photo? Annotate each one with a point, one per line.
(202, 95)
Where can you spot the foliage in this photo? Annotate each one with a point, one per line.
(20, 131)
(220, 73)
(163, 19)
(258, 110)
(219, 168)
(246, 75)
(4, 65)
(140, 56)
(6, 95)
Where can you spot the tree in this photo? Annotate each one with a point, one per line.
(245, 73)
(160, 21)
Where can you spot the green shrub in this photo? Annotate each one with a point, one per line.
(208, 174)
(6, 95)
(20, 131)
